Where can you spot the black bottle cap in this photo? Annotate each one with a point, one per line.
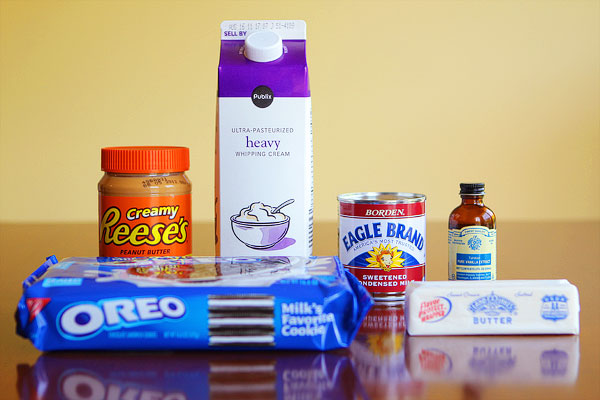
(472, 188)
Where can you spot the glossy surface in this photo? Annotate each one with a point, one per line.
(471, 211)
(382, 362)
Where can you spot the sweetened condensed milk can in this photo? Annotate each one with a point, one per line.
(382, 240)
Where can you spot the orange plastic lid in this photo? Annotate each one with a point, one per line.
(145, 159)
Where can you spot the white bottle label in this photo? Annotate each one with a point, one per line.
(472, 253)
(265, 160)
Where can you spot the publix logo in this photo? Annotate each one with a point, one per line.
(262, 96)
(85, 320)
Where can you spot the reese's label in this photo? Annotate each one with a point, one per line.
(145, 226)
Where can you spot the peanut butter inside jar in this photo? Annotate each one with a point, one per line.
(144, 202)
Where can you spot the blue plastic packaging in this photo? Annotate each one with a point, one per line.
(187, 375)
(173, 303)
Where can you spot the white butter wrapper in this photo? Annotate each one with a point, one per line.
(487, 359)
(492, 307)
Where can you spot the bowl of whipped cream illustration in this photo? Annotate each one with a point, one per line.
(260, 226)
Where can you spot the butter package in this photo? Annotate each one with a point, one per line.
(492, 307)
(172, 303)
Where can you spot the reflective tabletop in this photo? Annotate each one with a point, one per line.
(383, 362)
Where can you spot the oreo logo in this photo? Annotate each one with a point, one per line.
(262, 96)
(84, 320)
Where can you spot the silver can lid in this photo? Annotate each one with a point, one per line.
(381, 198)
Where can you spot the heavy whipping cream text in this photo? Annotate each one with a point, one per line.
(382, 240)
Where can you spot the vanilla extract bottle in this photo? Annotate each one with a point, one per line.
(472, 237)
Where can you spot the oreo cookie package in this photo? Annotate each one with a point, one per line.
(170, 303)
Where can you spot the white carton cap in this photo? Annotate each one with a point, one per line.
(263, 46)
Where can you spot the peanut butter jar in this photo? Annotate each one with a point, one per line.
(144, 202)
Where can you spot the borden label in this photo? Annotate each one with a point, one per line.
(383, 245)
(145, 226)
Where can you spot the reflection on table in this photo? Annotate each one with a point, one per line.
(383, 363)
(494, 359)
(394, 365)
(194, 375)
(379, 357)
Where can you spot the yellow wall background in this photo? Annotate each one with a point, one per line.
(407, 96)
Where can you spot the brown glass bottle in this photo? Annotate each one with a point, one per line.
(472, 237)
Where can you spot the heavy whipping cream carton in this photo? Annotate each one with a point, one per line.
(264, 168)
